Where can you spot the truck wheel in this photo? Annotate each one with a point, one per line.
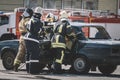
(107, 69)
(8, 60)
(80, 65)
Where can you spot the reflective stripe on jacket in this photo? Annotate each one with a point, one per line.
(58, 41)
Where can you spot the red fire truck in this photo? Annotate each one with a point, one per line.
(110, 21)
(9, 21)
(53, 11)
(9, 24)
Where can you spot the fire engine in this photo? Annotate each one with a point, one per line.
(9, 24)
(111, 22)
(53, 11)
(9, 21)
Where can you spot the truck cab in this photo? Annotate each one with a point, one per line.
(9, 22)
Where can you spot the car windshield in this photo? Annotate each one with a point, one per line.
(91, 32)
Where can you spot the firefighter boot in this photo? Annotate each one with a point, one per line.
(57, 68)
(16, 67)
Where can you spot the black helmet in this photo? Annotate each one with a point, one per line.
(28, 12)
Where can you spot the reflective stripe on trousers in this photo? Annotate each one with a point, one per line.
(61, 59)
(32, 61)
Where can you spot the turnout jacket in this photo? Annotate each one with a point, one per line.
(23, 24)
(62, 31)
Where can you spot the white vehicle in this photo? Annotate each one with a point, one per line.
(9, 24)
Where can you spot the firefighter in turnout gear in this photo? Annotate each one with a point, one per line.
(34, 27)
(62, 31)
(22, 28)
(50, 17)
(48, 25)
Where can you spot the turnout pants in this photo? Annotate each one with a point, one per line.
(58, 45)
(58, 59)
(21, 52)
(32, 56)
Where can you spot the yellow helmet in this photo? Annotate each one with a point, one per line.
(50, 17)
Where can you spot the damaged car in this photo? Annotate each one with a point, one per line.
(93, 48)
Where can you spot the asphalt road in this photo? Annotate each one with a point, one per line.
(23, 75)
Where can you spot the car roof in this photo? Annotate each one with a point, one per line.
(86, 24)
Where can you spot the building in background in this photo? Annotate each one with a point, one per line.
(118, 7)
(9, 5)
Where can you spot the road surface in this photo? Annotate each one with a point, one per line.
(23, 75)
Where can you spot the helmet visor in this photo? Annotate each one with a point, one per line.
(25, 14)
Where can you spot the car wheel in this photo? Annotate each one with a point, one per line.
(8, 60)
(107, 69)
(80, 65)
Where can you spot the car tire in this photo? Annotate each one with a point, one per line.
(80, 65)
(8, 60)
(107, 69)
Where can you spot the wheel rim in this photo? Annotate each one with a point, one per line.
(79, 64)
(9, 61)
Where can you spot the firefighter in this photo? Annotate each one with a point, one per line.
(50, 17)
(48, 25)
(34, 27)
(62, 31)
(22, 28)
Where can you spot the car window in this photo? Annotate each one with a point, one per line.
(4, 20)
(95, 32)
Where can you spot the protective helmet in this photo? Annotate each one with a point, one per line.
(50, 17)
(27, 13)
(63, 15)
(38, 10)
